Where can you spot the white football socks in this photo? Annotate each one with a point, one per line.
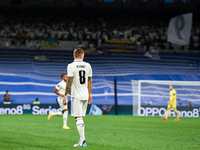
(81, 128)
(57, 113)
(65, 118)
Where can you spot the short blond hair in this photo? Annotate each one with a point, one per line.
(78, 52)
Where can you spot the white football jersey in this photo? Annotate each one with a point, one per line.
(80, 71)
(61, 86)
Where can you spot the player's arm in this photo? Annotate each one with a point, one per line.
(67, 90)
(56, 91)
(90, 90)
(172, 97)
(68, 85)
(170, 100)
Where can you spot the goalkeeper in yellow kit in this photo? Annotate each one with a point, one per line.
(172, 103)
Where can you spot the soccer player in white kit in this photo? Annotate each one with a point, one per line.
(80, 82)
(60, 91)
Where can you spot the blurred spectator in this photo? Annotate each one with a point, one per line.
(36, 102)
(6, 98)
(143, 29)
(31, 35)
(190, 104)
(40, 35)
(90, 51)
(115, 33)
(29, 44)
(21, 43)
(58, 45)
(75, 36)
(7, 43)
(91, 45)
(81, 45)
(25, 35)
(38, 45)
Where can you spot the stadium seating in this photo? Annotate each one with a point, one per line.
(27, 79)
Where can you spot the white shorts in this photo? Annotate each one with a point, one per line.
(62, 106)
(78, 107)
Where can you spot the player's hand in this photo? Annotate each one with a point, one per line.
(90, 99)
(62, 95)
(169, 102)
(65, 100)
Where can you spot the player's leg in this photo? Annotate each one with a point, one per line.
(65, 116)
(176, 112)
(81, 130)
(77, 113)
(81, 127)
(64, 110)
(167, 114)
(55, 113)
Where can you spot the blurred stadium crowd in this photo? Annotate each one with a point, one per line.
(20, 26)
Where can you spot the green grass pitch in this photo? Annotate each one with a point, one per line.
(35, 132)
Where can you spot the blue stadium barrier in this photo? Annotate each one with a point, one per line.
(26, 79)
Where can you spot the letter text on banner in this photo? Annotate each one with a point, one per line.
(179, 29)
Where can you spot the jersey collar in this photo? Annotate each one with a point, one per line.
(63, 81)
(78, 60)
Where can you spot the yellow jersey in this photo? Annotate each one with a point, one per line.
(173, 96)
(36, 103)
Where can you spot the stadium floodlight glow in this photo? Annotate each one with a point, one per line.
(187, 90)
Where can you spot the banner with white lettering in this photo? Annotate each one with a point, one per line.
(44, 109)
(179, 29)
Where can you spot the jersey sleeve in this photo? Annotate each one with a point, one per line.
(58, 87)
(90, 71)
(70, 71)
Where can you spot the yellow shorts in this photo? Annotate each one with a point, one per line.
(171, 105)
